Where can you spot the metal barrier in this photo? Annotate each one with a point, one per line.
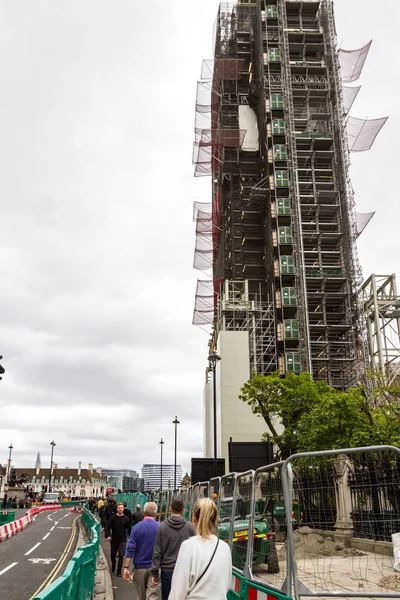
(318, 524)
(77, 581)
(131, 499)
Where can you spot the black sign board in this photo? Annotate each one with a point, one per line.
(244, 456)
(203, 469)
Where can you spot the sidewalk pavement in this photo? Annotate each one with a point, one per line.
(122, 589)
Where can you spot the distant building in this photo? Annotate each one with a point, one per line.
(132, 484)
(70, 482)
(151, 474)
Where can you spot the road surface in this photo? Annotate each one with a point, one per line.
(37, 555)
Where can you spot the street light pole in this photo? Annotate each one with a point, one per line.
(213, 359)
(10, 447)
(52, 444)
(176, 423)
(161, 447)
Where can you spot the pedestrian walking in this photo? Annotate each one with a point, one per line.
(117, 530)
(140, 549)
(127, 512)
(137, 516)
(170, 535)
(204, 566)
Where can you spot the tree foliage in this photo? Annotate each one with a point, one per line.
(315, 416)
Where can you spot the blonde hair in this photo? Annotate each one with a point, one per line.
(206, 514)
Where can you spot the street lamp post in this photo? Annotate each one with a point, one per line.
(176, 423)
(213, 359)
(52, 444)
(161, 448)
(10, 447)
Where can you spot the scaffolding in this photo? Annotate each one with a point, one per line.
(382, 312)
(236, 312)
(273, 130)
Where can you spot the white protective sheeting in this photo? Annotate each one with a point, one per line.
(352, 62)
(362, 221)
(248, 123)
(203, 313)
(362, 132)
(349, 95)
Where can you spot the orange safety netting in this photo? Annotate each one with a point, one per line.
(352, 62)
(209, 139)
(361, 133)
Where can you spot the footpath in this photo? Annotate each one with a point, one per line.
(120, 589)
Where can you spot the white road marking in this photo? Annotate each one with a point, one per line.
(43, 561)
(46, 536)
(8, 568)
(51, 529)
(64, 527)
(32, 549)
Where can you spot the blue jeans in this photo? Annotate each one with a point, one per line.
(166, 579)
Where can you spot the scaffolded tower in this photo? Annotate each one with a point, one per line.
(273, 131)
(382, 310)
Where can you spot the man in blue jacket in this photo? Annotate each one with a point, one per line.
(140, 549)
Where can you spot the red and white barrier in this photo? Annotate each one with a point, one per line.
(252, 592)
(7, 531)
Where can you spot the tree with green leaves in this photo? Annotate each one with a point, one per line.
(315, 416)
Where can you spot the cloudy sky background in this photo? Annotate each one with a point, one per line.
(96, 231)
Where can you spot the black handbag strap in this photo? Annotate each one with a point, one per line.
(206, 569)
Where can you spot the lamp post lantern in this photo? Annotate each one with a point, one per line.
(176, 423)
(213, 359)
(161, 448)
(52, 444)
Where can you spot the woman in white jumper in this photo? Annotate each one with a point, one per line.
(203, 570)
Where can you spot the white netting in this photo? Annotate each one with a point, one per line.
(362, 132)
(201, 206)
(349, 95)
(352, 62)
(362, 221)
(203, 313)
(203, 251)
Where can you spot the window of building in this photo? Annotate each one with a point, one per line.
(272, 11)
(291, 329)
(274, 55)
(281, 179)
(289, 296)
(278, 126)
(283, 206)
(277, 101)
(293, 362)
(286, 265)
(285, 235)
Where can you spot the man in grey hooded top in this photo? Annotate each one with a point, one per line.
(170, 535)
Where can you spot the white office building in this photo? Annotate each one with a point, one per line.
(151, 473)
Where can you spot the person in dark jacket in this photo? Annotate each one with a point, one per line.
(117, 530)
(170, 535)
(128, 513)
(137, 515)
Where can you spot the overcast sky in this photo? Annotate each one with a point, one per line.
(96, 231)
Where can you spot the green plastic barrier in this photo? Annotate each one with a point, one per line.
(77, 581)
(131, 499)
(7, 516)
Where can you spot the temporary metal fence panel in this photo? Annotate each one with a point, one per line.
(267, 561)
(227, 507)
(341, 494)
(242, 532)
